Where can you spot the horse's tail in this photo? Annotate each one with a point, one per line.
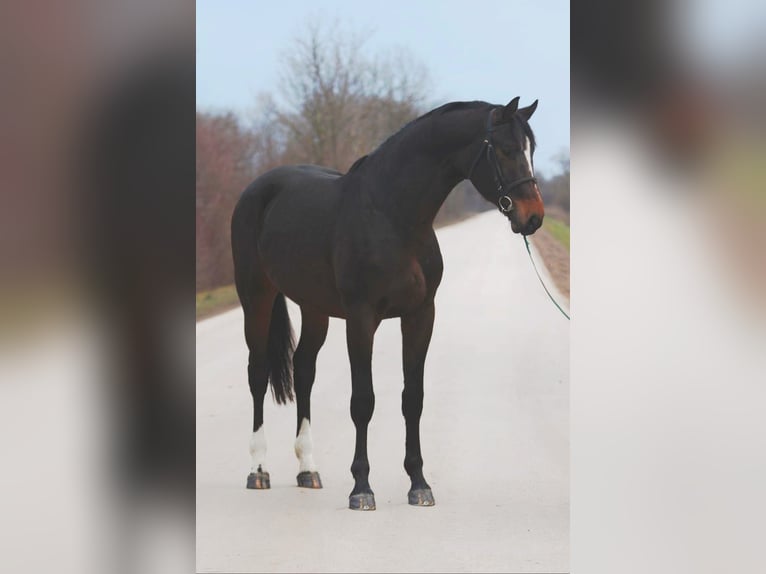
(281, 347)
(249, 277)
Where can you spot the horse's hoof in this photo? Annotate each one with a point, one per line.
(308, 479)
(258, 480)
(421, 497)
(362, 501)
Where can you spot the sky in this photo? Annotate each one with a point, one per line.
(492, 50)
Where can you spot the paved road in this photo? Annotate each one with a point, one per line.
(494, 434)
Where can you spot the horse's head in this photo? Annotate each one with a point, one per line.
(503, 170)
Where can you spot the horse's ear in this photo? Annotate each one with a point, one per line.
(527, 112)
(510, 109)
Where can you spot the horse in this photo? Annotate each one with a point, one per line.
(361, 246)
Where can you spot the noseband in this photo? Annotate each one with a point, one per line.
(504, 201)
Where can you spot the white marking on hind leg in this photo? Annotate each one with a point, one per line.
(304, 447)
(258, 449)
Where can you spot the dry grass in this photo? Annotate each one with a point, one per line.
(552, 241)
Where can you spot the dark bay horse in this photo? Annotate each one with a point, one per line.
(361, 246)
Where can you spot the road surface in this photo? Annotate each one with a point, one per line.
(495, 436)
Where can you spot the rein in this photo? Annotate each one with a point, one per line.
(504, 202)
(526, 242)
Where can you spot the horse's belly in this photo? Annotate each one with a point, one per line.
(296, 257)
(303, 273)
(314, 288)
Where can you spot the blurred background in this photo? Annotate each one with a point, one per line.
(668, 286)
(96, 286)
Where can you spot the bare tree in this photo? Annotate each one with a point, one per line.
(341, 104)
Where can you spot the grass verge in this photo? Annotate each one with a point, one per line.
(552, 242)
(216, 300)
(558, 229)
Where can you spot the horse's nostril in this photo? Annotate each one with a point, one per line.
(534, 222)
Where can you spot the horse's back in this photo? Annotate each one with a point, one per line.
(300, 174)
(289, 179)
(310, 186)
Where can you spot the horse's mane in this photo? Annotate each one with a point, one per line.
(450, 107)
(443, 109)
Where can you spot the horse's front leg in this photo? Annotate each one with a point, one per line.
(361, 324)
(416, 336)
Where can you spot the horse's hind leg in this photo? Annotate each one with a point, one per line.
(258, 309)
(416, 336)
(313, 335)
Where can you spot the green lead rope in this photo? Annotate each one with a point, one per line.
(526, 242)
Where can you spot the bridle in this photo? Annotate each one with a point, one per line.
(504, 202)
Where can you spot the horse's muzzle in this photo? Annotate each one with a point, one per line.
(533, 224)
(528, 228)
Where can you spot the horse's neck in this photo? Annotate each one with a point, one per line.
(419, 170)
